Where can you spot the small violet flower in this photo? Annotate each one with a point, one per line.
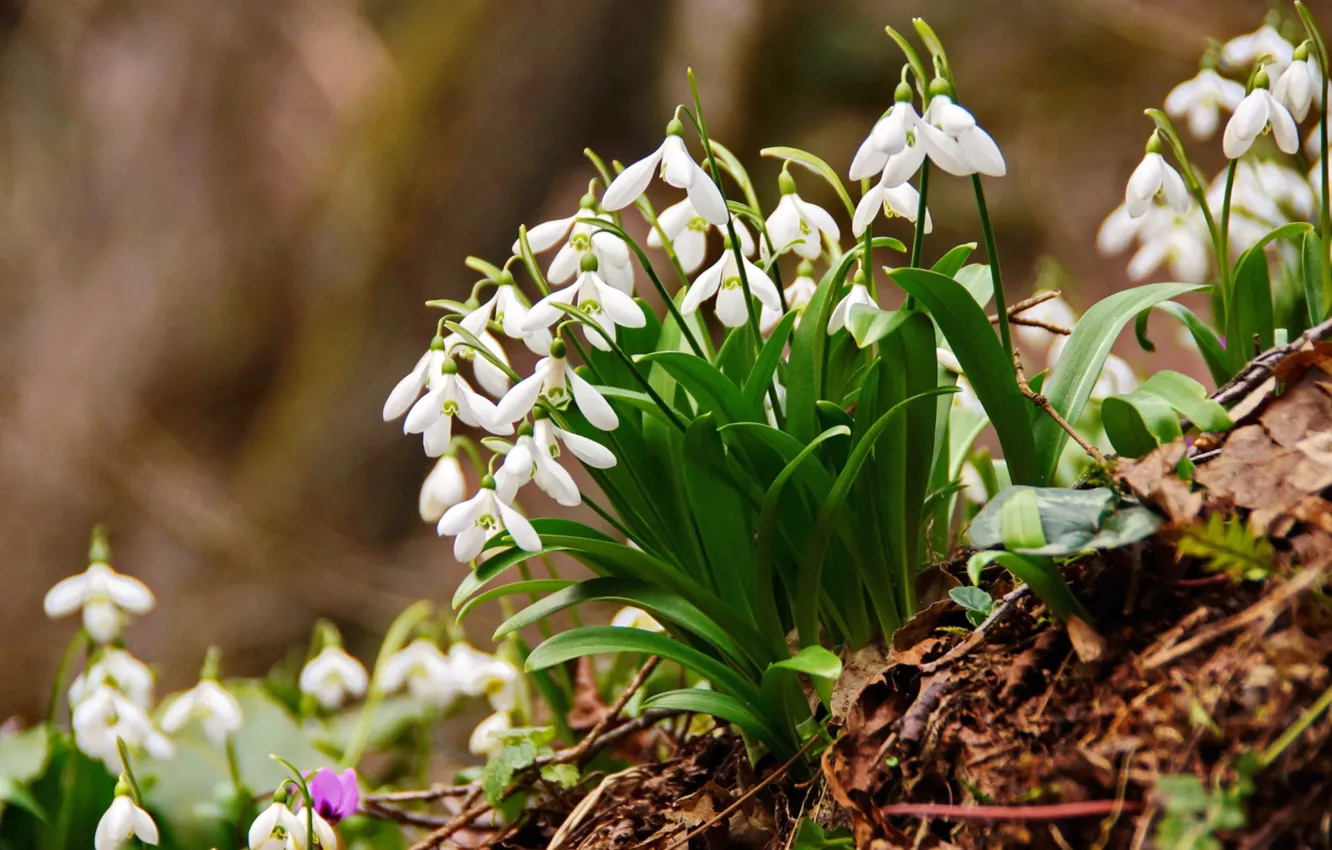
(335, 795)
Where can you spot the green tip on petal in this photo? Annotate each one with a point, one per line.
(859, 277)
(539, 413)
(1302, 52)
(1260, 78)
(588, 263)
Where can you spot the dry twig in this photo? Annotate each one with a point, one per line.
(977, 637)
(1044, 404)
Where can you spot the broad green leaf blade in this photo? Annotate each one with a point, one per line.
(517, 588)
(977, 348)
(951, 263)
(812, 661)
(868, 325)
(1068, 518)
(1189, 398)
(1020, 521)
(720, 706)
(756, 385)
(497, 564)
(1042, 576)
(661, 604)
(1138, 422)
(1250, 324)
(1070, 384)
(976, 279)
(709, 387)
(1208, 345)
(593, 640)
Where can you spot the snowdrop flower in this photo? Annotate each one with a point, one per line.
(122, 821)
(585, 236)
(858, 295)
(278, 828)
(890, 135)
(479, 674)
(484, 741)
(332, 676)
(534, 458)
(443, 488)
(1116, 376)
(605, 305)
(1201, 99)
(216, 710)
(678, 169)
(965, 398)
(1255, 114)
(971, 149)
(636, 618)
(1295, 86)
(1119, 230)
(408, 390)
(424, 670)
(798, 295)
(490, 376)
(105, 715)
(106, 597)
(120, 670)
(511, 315)
(1053, 312)
(1242, 51)
(796, 224)
(687, 232)
(722, 279)
(900, 201)
(1154, 176)
(1182, 241)
(450, 395)
(471, 523)
(973, 487)
(556, 381)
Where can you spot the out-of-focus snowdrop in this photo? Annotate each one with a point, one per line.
(444, 487)
(278, 828)
(106, 597)
(636, 618)
(1256, 114)
(332, 676)
(900, 201)
(479, 674)
(120, 670)
(1242, 51)
(1180, 242)
(1201, 99)
(687, 231)
(858, 295)
(678, 169)
(971, 151)
(123, 822)
(1296, 86)
(584, 236)
(1054, 312)
(965, 398)
(603, 304)
(209, 704)
(722, 279)
(973, 487)
(1116, 377)
(104, 715)
(799, 226)
(484, 741)
(1154, 176)
(424, 670)
(489, 375)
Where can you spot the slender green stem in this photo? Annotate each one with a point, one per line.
(306, 797)
(996, 276)
(1296, 729)
(614, 230)
(76, 645)
(1224, 252)
(242, 812)
(394, 639)
(128, 772)
(918, 242)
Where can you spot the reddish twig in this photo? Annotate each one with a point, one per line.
(1049, 812)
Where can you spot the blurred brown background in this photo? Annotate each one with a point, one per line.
(219, 221)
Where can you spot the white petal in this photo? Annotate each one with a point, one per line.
(869, 160)
(67, 596)
(630, 183)
(555, 481)
(546, 235)
(492, 378)
(762, 287)
(707, 198)
(520, 400)
(902, 166)
(691, 248)
(544, 313)
(1176, 193)
(705, 285)
(943, 150)
(673, 220)
(622, 309)
(426, 411)
(438, 437)
(820, 218)
(1117, 231)
(524, 535)
(461, 516)
(677, 166)
(443, 488)
(101, 619)
(1283, 127)
(468, 545)
(565, 264)
(588, 451)
(1245, 125)
(1145, 180)
(594, 408)
(979, 148)
(406, 390)
(951, 118)
(731, 309)
(867, 209)
(784, 224)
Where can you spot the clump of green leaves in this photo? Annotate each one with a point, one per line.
(1194, 814)
(1228, 546)
(522, 747)
(977, 603)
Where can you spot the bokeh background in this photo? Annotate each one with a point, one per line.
(219, 221)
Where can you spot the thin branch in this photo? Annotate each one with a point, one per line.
(977, 637)
(1260, 368)
(473, 807)
(1044, 404)
(434, 792)
(1051, 812)
(578, 751)
(1035, 323)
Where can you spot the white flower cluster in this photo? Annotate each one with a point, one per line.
(1283, 83)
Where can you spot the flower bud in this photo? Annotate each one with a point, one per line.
(488, 481)
(558, 350)
(437, 344)
(1154, 142)
(588, 263)
(940, 87)
(786, 183)
(674, 127)
(903, 92)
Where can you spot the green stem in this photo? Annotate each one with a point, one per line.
(1325, 208)
(1224, 252)
(242, 802)
(76, 644)
(996, 276)
(1296, 729)
(918, 242)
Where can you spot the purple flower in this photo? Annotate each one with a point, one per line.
(335, 794)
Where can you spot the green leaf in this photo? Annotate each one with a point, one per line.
(717, 705)
(756, 385)
(1020, 521)
(1229, 547)
(1208, 345)
(868, 325)
(710, 389)
(1311, 271)
(812, 661)
(503, 765)
(1071, 381)
(722, 518)
(972, 598)
(592, 640)
(562, 775)
(660, 603)
(517, 588)
(1040, 574)
(1068, 518)
(977, 348)
(13, 793)
(1138, 422)
(24, 755)
(1189, 398)
(818, 166)
(951, 263)
(976, 280)
(1250, 313)
(811, 836)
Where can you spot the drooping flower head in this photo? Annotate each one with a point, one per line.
(332, 676)
(606, 306)
(797, 225)
(687, 232)
(678, 169)
(123, 821)
(424, 670)
(106, 597)
(722, 279)
(473, 522)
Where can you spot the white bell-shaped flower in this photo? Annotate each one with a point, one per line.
(485, 675)
(124, 821)
(1258, 112)
(332, 676)
(484, 741)
(491, 377)
(584, 236)
(798, 294)
(1201, 99)
(444, 487)
(408, 390)
(120, 670)
(211, 706)
(722, 279)
(636, 618)
(796, 224)
(1053, 312)
(473, 522)
(687, 231)
(1154, 176)
(535, 457)
(1179, 241)
(104, 715)
(1297, 85)
(1242, 51)
(424, 670)
(278, 828)
(556, 381)
(106, 597)
(606, 306)
(889, 136)
(900, 201)
(1116, 377)
(678, 169)
(971, 149)
(450, 395)
(857, 295)
(973, 486)
(1119, 230)
(965, 398)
